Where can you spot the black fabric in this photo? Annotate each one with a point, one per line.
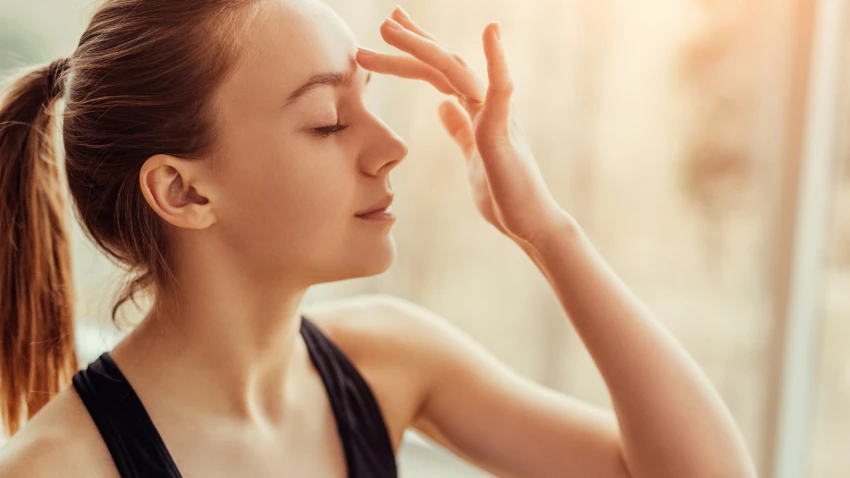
(139, 452)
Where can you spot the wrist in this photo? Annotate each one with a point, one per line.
(562, 226)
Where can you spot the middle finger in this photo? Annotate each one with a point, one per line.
(401, 17)
(445, 61)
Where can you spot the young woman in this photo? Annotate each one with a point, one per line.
(221, 149)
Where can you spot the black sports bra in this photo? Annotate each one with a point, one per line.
(139, 452)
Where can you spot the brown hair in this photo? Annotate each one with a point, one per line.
(141, 82)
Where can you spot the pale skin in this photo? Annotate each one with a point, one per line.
(229, 385)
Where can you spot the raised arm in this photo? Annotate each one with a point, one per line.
(670, 420)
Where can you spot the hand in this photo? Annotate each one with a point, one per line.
(507, 186)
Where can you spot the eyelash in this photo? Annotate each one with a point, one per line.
(326, 131)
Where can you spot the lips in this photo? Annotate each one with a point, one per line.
(381, 205)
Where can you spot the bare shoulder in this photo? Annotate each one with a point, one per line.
(381, 326)
(392, 342)
(398, 336)
(59, 440)
(476, 406)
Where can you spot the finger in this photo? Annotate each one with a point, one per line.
(403, 18)
(473, 107)
(457, 123)
(450, 64)
(497, 106)
(405, 67)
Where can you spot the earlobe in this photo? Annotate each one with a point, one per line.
(170, 188)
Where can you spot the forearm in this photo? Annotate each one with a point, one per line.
(672, 420)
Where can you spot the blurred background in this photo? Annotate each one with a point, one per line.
(701, 144)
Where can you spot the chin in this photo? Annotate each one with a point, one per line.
(374, 258)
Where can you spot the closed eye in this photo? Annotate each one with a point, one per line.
(326, 131)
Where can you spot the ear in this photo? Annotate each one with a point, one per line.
(173, 189)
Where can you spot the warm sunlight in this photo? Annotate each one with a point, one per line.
(699, 144)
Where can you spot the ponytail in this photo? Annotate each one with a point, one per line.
(37, 352)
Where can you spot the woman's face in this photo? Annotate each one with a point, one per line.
(288, 187)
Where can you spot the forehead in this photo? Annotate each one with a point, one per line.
(285, 45)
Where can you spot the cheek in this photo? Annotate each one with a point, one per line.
(285, 197)
(280, 204)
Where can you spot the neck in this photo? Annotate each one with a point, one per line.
(220, 346)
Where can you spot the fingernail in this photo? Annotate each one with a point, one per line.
(392, 24)
(402, 11)
(498, 31)
(367, 51)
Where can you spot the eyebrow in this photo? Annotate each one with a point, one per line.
(334, 79)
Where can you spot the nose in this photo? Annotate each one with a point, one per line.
(386, 151)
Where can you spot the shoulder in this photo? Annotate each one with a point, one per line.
(59, 440)
(386, 331)
(385, 324)
(402, 349)
(473, 404)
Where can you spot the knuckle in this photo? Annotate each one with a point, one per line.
(459, 60)
(503, 89)
(445, 67)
